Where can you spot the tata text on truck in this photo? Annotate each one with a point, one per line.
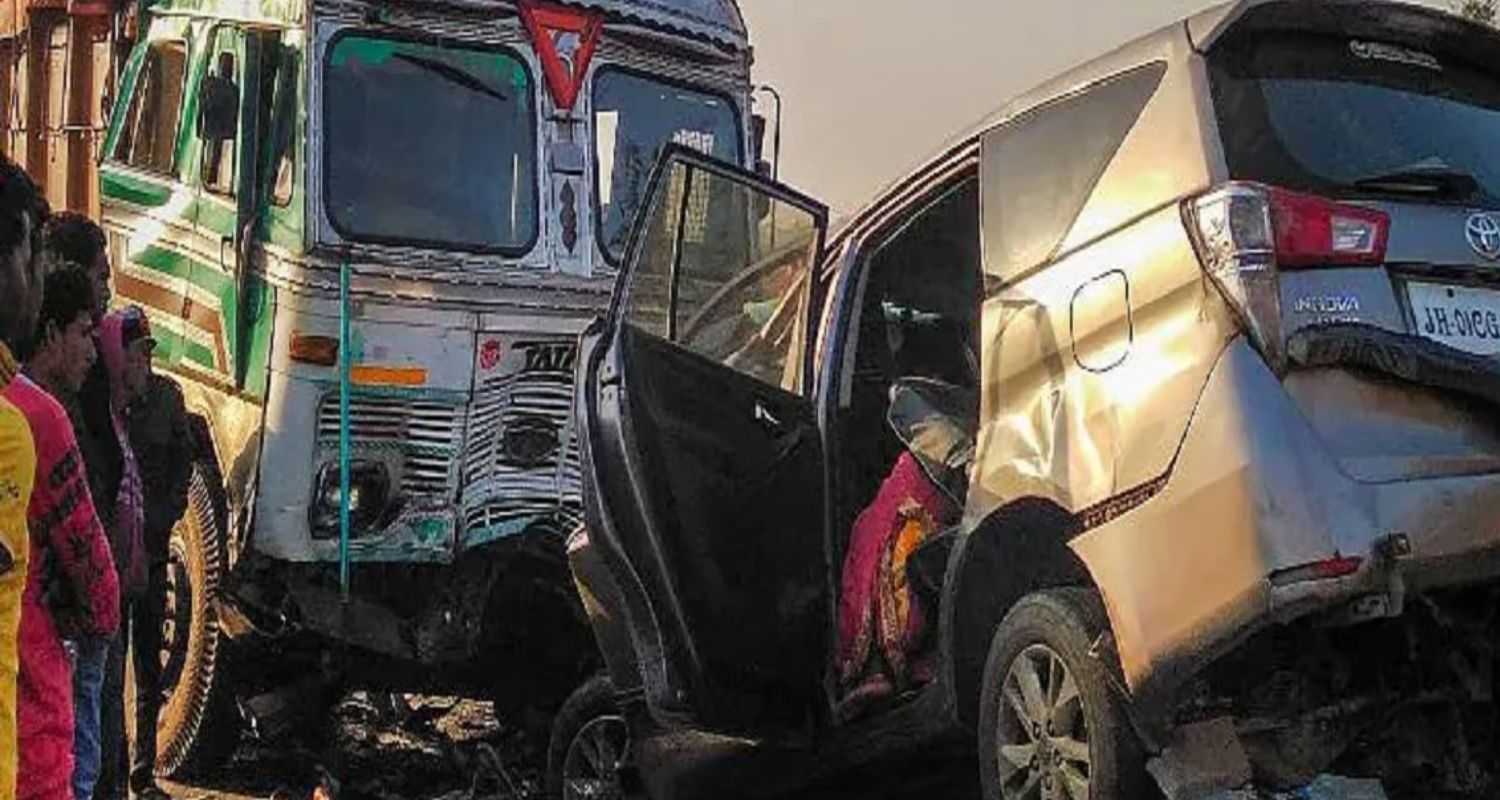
(472, 167)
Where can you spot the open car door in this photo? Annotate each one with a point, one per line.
(703, 462)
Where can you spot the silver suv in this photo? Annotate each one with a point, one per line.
(1148, 433)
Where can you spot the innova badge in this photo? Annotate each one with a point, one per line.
(1483, 231)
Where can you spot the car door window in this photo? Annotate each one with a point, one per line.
(724, 271)
(148, 135)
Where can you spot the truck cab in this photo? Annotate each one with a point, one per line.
(427, 200)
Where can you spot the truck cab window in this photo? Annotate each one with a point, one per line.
(222, 84)
(429, 145)
(634, 115)
(284, 127)
(148, 134)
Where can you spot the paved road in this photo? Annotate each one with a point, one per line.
(436, 751)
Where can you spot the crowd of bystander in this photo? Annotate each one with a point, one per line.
(93, 477)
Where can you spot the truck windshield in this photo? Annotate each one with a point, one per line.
(1348, 117)
(428, 145)
(633, 117)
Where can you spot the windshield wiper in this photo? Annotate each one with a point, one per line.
(453, 74)
(1443, 182)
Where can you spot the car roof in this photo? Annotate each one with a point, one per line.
(1198, 33)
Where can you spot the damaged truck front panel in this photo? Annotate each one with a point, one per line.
(463, 340)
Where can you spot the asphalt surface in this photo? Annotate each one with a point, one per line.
(455, 749)
(439, 748)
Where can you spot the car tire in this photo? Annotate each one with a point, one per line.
(534, 608)
(590, 741)
(199, 725)
(1067, 734)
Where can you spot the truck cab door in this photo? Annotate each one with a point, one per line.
(703, 462)
(231, 128)
(146, 196)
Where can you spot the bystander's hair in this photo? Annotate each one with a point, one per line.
(67, 295)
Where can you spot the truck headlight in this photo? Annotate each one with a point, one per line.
(369, 497)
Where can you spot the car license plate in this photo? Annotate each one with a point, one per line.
(1459, 316)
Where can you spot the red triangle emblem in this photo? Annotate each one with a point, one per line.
(565, 39)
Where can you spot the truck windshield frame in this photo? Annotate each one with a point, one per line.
(368, 182)
(1289, 106)
(625, 93)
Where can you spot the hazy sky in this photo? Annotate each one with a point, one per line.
(872, 87)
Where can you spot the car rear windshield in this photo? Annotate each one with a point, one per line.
(1352, 117)
(429, 145)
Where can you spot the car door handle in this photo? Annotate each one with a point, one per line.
(785, 436)
(767, 418)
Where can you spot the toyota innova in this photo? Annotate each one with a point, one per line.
(1147, 436)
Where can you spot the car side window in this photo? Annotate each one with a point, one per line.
(222, 87)
(148, 135)
(1039, 169)
(741, 283)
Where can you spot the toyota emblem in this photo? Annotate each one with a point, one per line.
(1484, 235)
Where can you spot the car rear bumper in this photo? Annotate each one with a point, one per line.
(1255, 499)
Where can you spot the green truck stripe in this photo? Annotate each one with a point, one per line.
(118, 186)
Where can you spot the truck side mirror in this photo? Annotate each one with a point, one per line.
(218, 109)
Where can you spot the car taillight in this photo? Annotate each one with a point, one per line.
(1311, 231)
(1246, 233)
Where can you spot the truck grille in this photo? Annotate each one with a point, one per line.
(521, 458)
(425, 432)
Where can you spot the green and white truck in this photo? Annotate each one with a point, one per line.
(468, 170)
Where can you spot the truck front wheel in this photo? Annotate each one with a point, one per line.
(199, 725)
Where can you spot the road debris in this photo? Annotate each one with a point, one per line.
(386, 747)
(1203, 758)
(1325, 787)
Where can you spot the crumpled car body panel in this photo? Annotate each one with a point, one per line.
(1254, 492)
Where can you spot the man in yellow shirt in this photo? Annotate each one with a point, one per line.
(21, 214)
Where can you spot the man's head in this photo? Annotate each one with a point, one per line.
(70, 237)
(135, 332)
(126, 341)
(63, 348)
(22, 212)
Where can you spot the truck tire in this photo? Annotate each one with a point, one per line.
(1050, 724)
(199, 724)
(590, 743)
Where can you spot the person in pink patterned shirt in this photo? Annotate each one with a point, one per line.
(72, 588)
